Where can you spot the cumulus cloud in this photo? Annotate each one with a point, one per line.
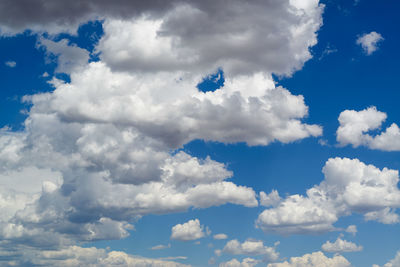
(250, 247)
(340, 246)
(190, 230)
(271, 36)
(352, 229)
(106, 148)
(315, 259)
(350, 186)
(270, 199)
(369, 42)
(355, 125)
(247, 262)
(74, 256)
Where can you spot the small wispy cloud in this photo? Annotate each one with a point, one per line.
(11, 64)
(160, 247)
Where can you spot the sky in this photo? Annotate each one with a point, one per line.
(199, 133)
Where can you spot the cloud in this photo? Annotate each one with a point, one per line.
(247, 262)
(253, 43)
(72, 256)
(101, 151)
(315, 259)
(11, 64)
(160, 247)
(188, 231)
(369, 42)
(250, 247)
(340, 246)
(392, 263)
(354, 126)
(350, 186)
(236, 48)
(352, 229)
(220, 236)
(270, 199)
(68, 56)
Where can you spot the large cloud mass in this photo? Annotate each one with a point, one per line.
(104, 149)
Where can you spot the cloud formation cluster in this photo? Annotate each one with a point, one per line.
(340, 246)
(246, 262)
(350, 186)
(104, 149)
(315, 259)
(75, 256)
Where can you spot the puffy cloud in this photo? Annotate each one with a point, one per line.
(240, 47)
(190, 230)
(354, 126)
(369, 42)
(315, 259)
(270, 199)
(72, 256)
(269, 36)
(104, 149)
(11, 64)
(250, 247)
(350, 186)
(247, 262)
(340, 246)
(220, 236)
(352, 229)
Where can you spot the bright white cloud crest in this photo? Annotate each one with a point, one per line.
(190, 230)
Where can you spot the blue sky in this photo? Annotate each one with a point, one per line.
(134, 133)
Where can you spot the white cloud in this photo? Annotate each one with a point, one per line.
(386, 216)
(350, 186)
(75, 256)
(270, 199)
(316, 259)
(352, 229)
(392, 263)
(355, 125)
(160, 247)
(11, 64)
(250, 247)
(190, 230)
(234, 48)
(369, 42)
(106, 145)
(340, 246)
(220, 236)
(247, 262)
